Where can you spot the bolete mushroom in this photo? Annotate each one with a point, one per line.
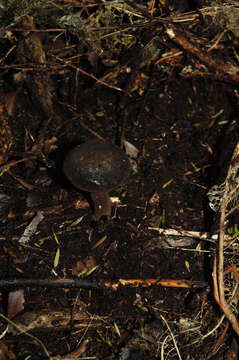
(97, 167)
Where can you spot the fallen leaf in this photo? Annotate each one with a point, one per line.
(57, 257)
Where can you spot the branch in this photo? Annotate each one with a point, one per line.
(218, 273)
(224, 70)
(76, 283)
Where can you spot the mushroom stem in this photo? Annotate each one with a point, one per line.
(102, 204)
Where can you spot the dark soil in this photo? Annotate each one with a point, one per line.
(185, 130)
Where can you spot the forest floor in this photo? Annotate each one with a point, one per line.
(175, 114)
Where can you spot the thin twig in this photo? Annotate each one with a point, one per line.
(218, 273)
(64, 283)
(88, 75)
(224, 70)
(77, 283)
(18, 328)
(13, 163)
(172, 336)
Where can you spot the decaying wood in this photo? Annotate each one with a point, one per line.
(104, 285)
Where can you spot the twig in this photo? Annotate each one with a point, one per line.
(218, 273)
(64, 283)
(201, 235)
(88, 74)
(27, 334)
(12, 163)
(224, 70)
(82, 123)
(172, 336)
(22, 182)
(39, 30)
(219, 323)
(76, 283)
(220, 340)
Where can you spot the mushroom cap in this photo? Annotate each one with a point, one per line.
(96, 166)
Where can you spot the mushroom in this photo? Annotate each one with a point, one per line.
(97, 167)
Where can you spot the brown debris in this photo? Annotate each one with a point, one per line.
(30, 50)
(6, 137)
(223, 70)
(139, 76)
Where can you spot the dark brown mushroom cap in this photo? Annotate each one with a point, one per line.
(96, 166)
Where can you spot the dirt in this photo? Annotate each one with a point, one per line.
(185, 130)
